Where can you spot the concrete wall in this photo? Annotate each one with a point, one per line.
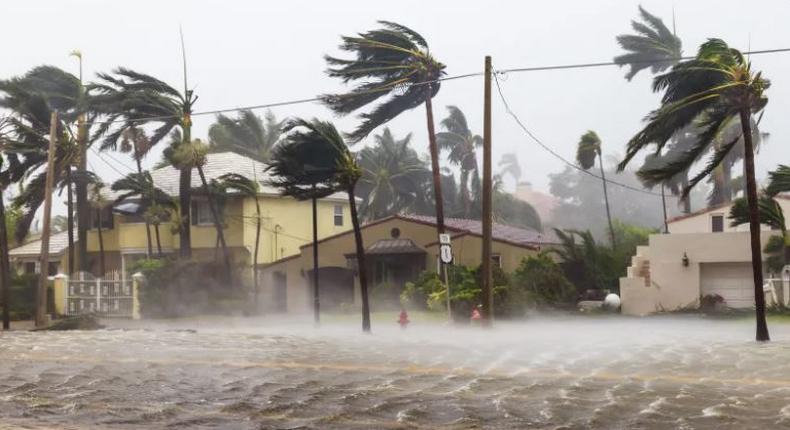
(701, 222)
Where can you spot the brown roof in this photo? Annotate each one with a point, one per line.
(500, 232)
(394, 246)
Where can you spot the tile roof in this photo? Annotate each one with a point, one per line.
(501, 232)
(217, 164)
(58, 243)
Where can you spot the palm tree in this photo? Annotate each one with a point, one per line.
(392, 176)
(509, 165)
(461, 144)
(248, 188)
(99, 203)
(246, 135)
(31, 98)
(314, 160)
(589, 148)
(135, 99)
(392, 62)
(156, 203)
(715, 88)
(187, 156)
(771, 214)
(5, 264)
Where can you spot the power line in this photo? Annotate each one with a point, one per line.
(555, 154)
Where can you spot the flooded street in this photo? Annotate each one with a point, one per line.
(578, 373)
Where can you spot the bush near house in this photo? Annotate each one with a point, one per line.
(22, 297)
(543, 283)
(176, 288)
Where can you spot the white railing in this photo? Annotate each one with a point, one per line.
(110, 296)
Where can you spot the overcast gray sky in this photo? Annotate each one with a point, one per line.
(254, 52)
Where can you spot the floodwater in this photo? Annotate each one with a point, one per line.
(558, 373)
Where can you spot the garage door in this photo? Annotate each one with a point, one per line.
(732, 281)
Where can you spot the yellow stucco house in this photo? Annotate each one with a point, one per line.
(397, 248)
(286, 226)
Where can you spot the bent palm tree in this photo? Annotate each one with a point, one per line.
(653, 46)
(461, 144)
(135, 99)
(715, 88)
(248, 188)
(141, 185)
(394, 63)
(589, 148)
(246, 135)
(99, 203)
(392, 176)
(314, 160)
(771, 214)
(509, 165)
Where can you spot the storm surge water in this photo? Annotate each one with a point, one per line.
(569, 373)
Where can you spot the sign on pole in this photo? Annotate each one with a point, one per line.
(444, 239)
(446, 254)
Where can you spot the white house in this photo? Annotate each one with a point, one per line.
(702, 255)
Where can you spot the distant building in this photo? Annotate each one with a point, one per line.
(703, 255)
(543, 203)
(398, 248)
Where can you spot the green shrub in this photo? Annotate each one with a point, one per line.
(540, 281)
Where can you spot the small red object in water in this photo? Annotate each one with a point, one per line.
(403, 320)
(475, 314)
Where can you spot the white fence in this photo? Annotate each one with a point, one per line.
(110, 296)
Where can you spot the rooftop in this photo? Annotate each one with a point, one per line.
(501, 232)
(58, 243)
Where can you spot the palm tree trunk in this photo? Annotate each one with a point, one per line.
(465, 192)
(362, 267)
(70, 217)
(684, 182)
(147, 224)
(606, 201)
(316, 297)
(158, 241)
(81, 191)
(185, 203)
(257, 246)
(754, 227)
(435, 170)
(5, 272)
(217, 226)
(102, 268)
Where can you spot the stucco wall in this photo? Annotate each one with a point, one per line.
(701, 222)
(672, 285)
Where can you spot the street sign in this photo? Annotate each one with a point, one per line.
(444, 239)
(446, 254)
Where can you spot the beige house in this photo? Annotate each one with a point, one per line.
(702, 255)
(398, 248)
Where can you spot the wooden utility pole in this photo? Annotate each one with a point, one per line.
(487, 219)
(41, 292)
(316, 296)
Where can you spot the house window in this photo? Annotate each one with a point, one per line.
(106, 218)
(496, 260)
(30, 268)
(201, 213)
(52, 268)
(338, 215)
(717, 223)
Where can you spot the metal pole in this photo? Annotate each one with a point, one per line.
(447, 286)
(316, 299)
(41, 292)
(487, 219)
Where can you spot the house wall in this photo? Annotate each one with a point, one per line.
(293, 221)
(701, 222)
(673, 286)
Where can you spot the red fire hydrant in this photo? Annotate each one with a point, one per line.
(475, 315)
(403, 319)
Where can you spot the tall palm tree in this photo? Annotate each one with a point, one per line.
(393, 63)
(588, 149)
(314, 159)
(5, 264)
(187, 156)
(715, 88)
(657, 48)
(392, 176)
(248, 188)
(509, 165)
(461, 144)
(772, 215)
(133, 99)
(247, 135)
(141, 185)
